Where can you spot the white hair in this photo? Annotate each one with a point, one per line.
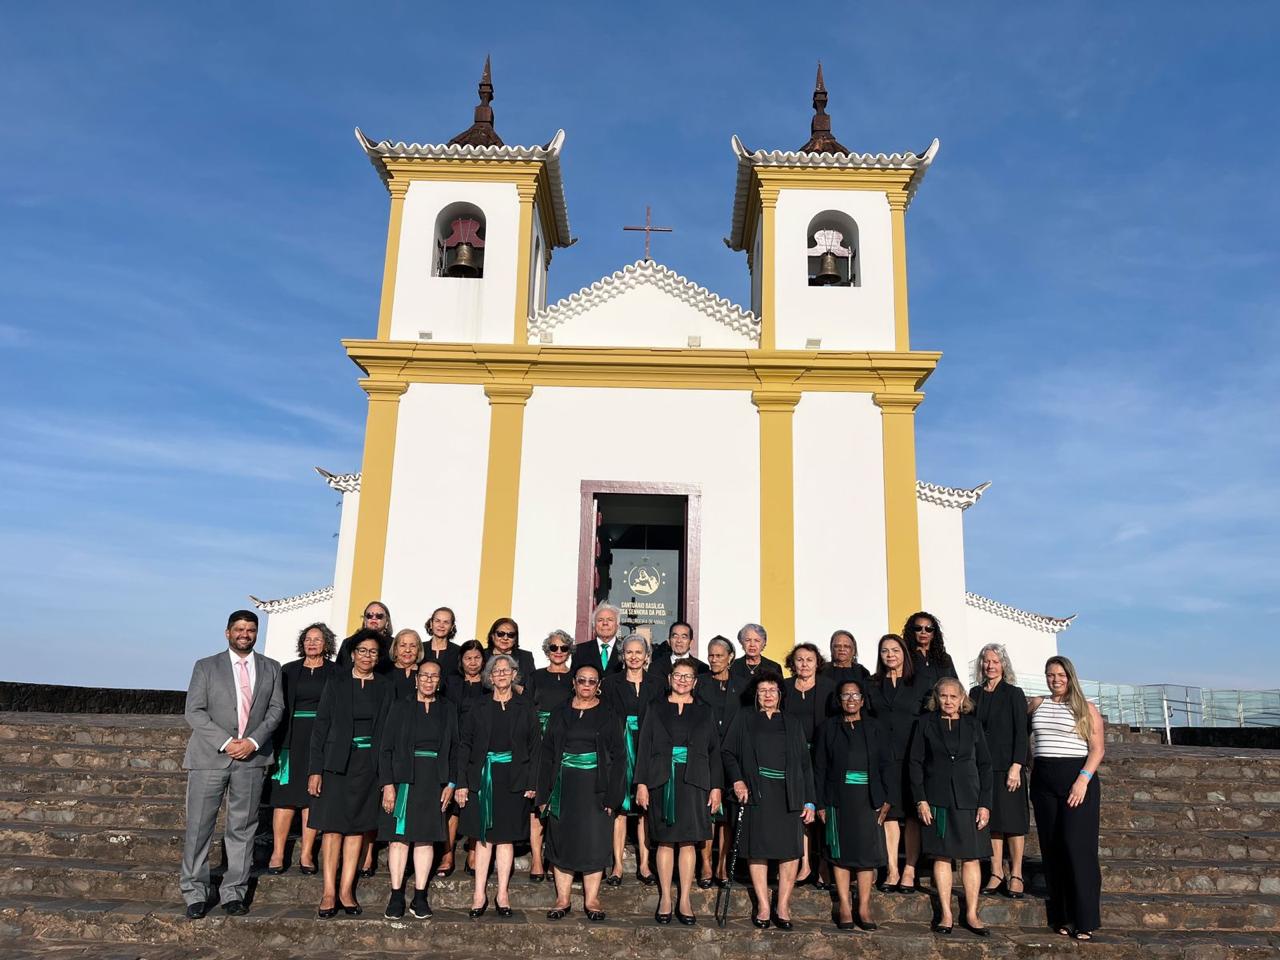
(764, 635)
(999, 650)
(606, 606)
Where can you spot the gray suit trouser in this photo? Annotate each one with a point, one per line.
(242, 786)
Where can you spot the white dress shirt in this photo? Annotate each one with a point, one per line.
(235, 676)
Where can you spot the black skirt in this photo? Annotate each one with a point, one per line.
(858, 838)
(423, 819)
(954, 835)
(510, 811)
(769, 830)
(294, 770)
(580, 840)
(693, 818)
(1010, 812)
(349, 802)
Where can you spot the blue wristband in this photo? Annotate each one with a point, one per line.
(810, 806)
(1086, 774)
(451, 785)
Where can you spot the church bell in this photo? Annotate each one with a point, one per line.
(828, 270)
(462, 261)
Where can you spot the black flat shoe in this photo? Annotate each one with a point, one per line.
(366, 874)
(885, 887)
(663, 918)
(903, 888)
(758, 923)
(559, 913)
(648, 879)
(942, 930)
(327, 913)
(351, 911)
(537, 877)
(276, 871)
(613, 880)
(502, 911)
(688, 919)
(310, 871)
(845, 924)
(420, 906)
(866, 925)
(478, 911)
(596, 916)
(976, 931)
(395, 905)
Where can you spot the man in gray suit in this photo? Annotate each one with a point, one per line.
(234, 702)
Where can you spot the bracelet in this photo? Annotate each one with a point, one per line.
(451, 785)
(1086, 774)
(810, 806)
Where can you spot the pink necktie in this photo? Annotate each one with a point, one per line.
(246, 696)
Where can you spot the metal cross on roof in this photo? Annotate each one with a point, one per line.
(648, 229)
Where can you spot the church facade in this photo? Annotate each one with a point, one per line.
(776, 478)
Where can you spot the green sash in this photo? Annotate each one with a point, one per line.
(679, 755)
(543, 717)
(402, 796)
(574, 761)
(939, 821)
(629, 737)
(362, 743)
(771, 774)
(281, 775)
(853, 778)
(486, 790)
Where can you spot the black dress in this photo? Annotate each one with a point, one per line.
(724, 697)
(692, 821)
(448, 659)
(951, 771)
(489, 729)
(744, 674)
(579, 832)
(897, 707)
(630, 705)
(303, 686)
(349, 800)
(404, 684)
(811, 707)
(1003, 715)
(465, 695)
(770, 831)
(550, 690)
(422, 820)
(848, 766)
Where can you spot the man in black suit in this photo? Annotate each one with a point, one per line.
(679, 646)
(605, 651)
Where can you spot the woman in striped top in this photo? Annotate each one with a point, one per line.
(1067, 745)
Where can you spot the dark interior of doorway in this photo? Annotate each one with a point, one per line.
(639, 521)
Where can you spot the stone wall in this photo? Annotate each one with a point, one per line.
(52, 698)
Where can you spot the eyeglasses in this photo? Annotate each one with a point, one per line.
(587, 681)
(500, 672)
(375, 616)
(682, 677)
(365, 652)
(428, 676)
(850, 696)
(557, 648)
(505, 634)
(922, 628)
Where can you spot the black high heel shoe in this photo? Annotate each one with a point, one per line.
(663, 918)
(865, 924)
(843, 924)
(475, 912)
(976, 931)
(366, 874)
(595, 916)
(352, 910)
(1014, 894)
(502, 911)
(327, 913)
(276, 871)
(704, 883)
(758, 923)
(559, 913)
(613, 880)
(688, 919)
(648, 879)
(310, 871)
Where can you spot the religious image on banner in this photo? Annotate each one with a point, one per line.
(646, 588)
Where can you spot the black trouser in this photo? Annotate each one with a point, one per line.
(1068, 842)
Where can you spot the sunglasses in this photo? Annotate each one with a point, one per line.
(587, 681)
(375, 616)
(505, 634)
(557, 648)
(922, 628)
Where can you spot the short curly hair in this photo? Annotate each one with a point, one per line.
(330, 640)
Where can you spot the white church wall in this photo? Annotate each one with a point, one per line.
(1028, 646)
(843, 318)
(281, 629)
(437, 504)
(337, 618)
(942, 576)
(643, 315)
(455, 308)
(706, 437)
(839, 520)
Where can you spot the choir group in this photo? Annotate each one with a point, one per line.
(836, 775)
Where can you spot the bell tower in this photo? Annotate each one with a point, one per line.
(472, 228)
(824, 230)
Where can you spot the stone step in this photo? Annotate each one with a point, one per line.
(65, 878)
(296, 929)
(1120, 816)
(87, 757)
(117, 729)
(45, 781)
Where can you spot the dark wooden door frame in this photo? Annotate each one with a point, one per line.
(692, 493)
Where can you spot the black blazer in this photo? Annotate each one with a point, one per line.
(960, 780)
(738, 670)
(405, 686)
(611, 756)
(897, 709)
(653, 751)
(1003, 715)
(384, 657)
(524, 663)
(290, 674)
(830, 760)
(619, 695)
(335, 721)
(588, 651)
(448, 658)
(477, 729)
(395, 761)
(812, 707)
(724, 705)
(660, 663)
(929, 672)
(740, 760)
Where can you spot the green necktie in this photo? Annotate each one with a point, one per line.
(604, 655)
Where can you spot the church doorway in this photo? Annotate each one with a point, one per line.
(639, 549)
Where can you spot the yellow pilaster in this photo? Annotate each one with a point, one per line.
(375, 494)
(768, 316)
(526, 191)
(898, 231)
(777, 519)
(501, 501)
(901, 521)
(398, 189)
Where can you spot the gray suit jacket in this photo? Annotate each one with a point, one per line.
(213, 712)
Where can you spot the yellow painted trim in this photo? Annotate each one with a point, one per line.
(777, 519)
(501, 501)
(695, 369)
(375, 495)
(398, 189)
(901, 518)
(898, 231)
(768, 272)
(832, 178)
(524, 260)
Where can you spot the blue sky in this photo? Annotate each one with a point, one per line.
(188, 229)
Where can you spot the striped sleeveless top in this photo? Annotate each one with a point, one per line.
(1053, 732)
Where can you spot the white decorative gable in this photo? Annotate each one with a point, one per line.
(646, 305)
